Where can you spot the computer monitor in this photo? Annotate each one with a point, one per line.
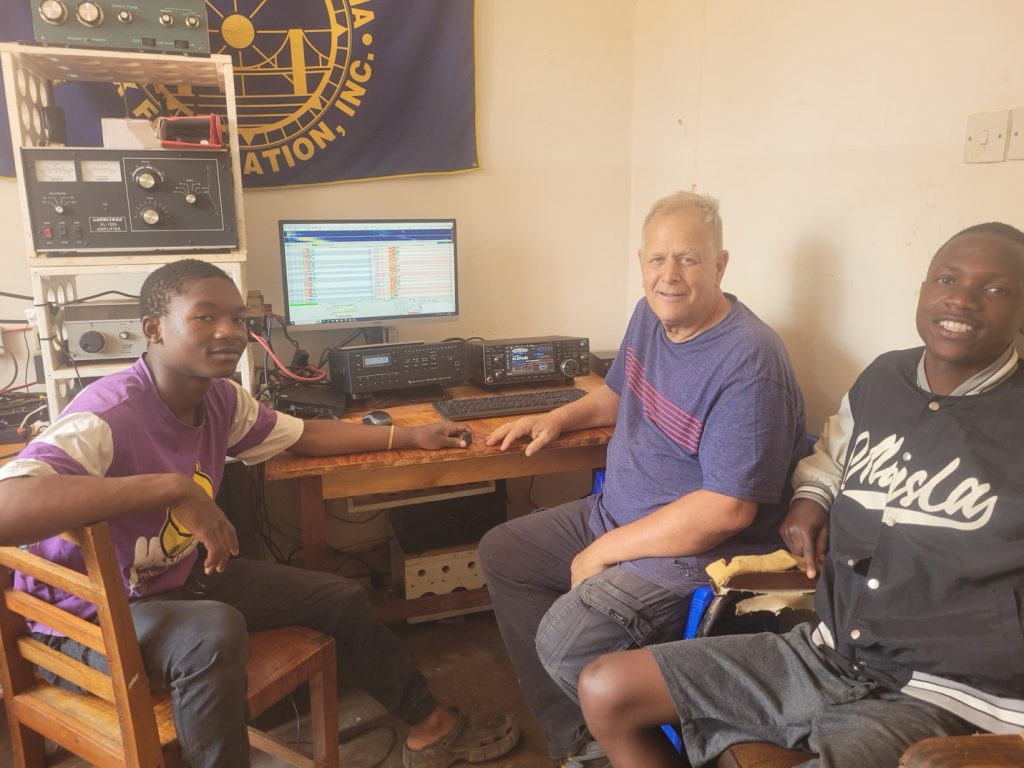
(368, 273)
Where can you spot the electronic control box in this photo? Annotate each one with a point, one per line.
(93, 200)
(139, 25)
(382, 367)
(102, 330)
(525, 360)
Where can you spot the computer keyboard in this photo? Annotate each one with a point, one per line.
(465, 408)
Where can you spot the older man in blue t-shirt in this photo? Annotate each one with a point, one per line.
(709, 421)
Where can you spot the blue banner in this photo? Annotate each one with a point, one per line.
(325, 91)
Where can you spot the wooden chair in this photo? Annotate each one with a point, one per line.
(120, 721)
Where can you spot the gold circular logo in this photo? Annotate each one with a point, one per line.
(298, 75)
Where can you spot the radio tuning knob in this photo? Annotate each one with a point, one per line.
(124, 16)
(569, 367)
(124, 335)
(166, 19)
(92, 341)
(190, 198)
(89, 14)
(58, 209)
(53, 11)
(145, 178)
(192, 21)
(151, 216)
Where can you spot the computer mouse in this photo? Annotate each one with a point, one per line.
(378, 418)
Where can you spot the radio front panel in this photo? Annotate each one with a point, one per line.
(93, 200)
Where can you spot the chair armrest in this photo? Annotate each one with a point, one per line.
(983, 749)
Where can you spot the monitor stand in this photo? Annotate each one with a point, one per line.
(374, 335)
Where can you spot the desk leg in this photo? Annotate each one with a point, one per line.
(313, 519)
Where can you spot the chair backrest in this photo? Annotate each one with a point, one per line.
(119, 701)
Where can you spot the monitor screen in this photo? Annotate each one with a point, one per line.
(368, 271)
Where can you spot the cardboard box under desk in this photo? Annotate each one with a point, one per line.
(434, 546)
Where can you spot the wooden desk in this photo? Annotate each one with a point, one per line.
(358, 474)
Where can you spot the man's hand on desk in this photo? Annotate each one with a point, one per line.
(598, 408)
(541, 428)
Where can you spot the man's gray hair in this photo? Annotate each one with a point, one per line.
(705, 205)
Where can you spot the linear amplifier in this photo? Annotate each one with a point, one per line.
(382, 367)
(93, 200)
(541, 358)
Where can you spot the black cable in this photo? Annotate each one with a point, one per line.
(14, 378)
(284, 330)
(9, 320)
(95, 296)
(352, 337)
(341, 519)
(15, 296)
(351, 734)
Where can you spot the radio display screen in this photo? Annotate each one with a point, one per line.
(527, 359)
(369, 361)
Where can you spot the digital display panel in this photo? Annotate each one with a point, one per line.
(338, 272)
(375, 360)
(530, 358)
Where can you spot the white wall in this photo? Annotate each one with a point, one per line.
(833, 135)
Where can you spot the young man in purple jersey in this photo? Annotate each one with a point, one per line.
(145, 450)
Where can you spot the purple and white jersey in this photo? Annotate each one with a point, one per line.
(118, 427)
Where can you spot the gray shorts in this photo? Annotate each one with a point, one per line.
(783, 689)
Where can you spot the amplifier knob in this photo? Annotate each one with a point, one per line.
(124, 16)
(124, 335)
(151, 216)
(89, 14)
(145, 178)
(53, 11)
(190, 199)
(166, 19)
(192, 21)
(569, 367)
(58, 209)
(92, 341)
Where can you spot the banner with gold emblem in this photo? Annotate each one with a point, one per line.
(326, 90)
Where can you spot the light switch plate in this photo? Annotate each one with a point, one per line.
(1015, 149)
(987, 135)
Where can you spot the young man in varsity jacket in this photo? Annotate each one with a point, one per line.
(912, 509)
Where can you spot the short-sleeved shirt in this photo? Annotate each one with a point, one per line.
(118, 427)
(721, 412)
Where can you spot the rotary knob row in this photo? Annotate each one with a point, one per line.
(90, 14)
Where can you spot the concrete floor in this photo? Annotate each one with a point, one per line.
(465, 662)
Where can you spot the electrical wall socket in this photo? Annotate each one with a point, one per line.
(1015, 149)
(987, 135)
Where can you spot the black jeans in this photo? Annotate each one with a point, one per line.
(194, 640)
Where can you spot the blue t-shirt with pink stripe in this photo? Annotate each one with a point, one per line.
(720, 412)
